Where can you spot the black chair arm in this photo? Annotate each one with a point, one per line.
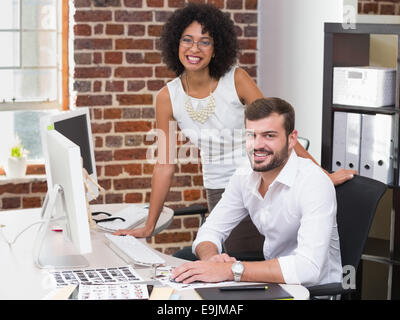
(193, 209)
(328, 289)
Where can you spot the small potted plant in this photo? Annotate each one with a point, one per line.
(17, 160)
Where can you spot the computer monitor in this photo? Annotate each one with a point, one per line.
(75, 125)
(66, 194)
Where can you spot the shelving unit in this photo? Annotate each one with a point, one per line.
(351, 47)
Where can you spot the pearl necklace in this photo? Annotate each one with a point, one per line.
(204, 113)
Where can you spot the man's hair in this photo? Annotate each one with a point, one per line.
(264, 107)
(215, 22)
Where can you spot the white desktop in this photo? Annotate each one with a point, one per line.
(65, 203)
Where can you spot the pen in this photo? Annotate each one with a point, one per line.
(237, 288)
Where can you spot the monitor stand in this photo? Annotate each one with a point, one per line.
(55, 251)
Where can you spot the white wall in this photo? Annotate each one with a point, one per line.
(291, 50)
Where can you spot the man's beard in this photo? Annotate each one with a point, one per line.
(277, 160)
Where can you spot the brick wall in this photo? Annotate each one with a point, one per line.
(117, 73)
(384, 7)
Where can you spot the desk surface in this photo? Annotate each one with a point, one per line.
(21, 279)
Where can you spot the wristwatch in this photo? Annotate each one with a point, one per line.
(237, 270)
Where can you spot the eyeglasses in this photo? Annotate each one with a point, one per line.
(203, 44)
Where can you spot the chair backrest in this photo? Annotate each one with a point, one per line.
(304, 142)
(357, 200)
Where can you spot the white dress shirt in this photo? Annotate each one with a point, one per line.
(297, 216)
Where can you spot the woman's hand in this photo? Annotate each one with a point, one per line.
(342, 175)
(143, 232)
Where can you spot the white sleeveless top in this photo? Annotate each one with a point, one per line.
(221, 138)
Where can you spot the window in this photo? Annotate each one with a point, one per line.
(32, 34)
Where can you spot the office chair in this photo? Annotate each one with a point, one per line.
(253, 253)
(357, 200)
(304, 142)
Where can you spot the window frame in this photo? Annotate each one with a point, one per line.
(62, 100)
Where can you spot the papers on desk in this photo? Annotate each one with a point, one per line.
(120, 291)
(96, 276)
(163, 275)
(133, 215)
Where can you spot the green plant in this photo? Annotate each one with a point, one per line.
(18, 150)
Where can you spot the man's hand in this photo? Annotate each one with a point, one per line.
(205, 271)
(222, 258)
(342, 175)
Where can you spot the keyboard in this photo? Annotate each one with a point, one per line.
(132, 250)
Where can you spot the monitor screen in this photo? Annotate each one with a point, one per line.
(76, 130)
(74, 125)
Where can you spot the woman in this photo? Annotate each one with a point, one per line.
(207, 101)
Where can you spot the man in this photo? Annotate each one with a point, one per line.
(291, 201)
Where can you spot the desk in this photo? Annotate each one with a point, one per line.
(21, 279)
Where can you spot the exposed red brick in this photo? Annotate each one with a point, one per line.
(132, 99)
(88, 43)
(82, 30)
(35, 169)
(251, 4)
(133, 16)
(93, 100)
(114, 86)
(11, 203)
(31, 202)
(114, 198)
(133, 169)
(164, 72)
(234, 4)
(136, 30)
(144, 44)
(191, 195)
(115, 29)
(133, 3)
(191, 222)
(152, 57)
(104, 127)
(113, 170)
(133, 72)
(92, 72)
(133, 197)
(113, 57)
(176, 3)
(172, 237)
(133, 126)
(92, 15)
(136, 85)
(132, 183)
(154, 30)
(39, 187)
(155, 3)
(103, 156)
(130, 154)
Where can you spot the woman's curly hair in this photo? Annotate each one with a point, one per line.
(219, 26)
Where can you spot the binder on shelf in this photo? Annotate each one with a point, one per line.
(376, 157)
(339, 140)
(346, 141)
(353, 141)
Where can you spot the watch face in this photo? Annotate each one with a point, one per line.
(237, 267)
